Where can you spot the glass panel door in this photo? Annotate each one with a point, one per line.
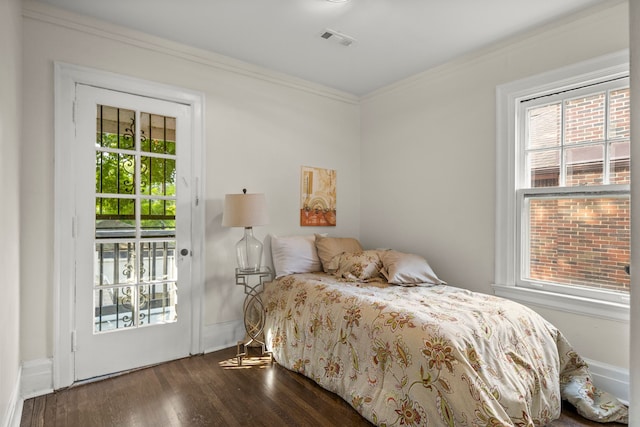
(135, 236)
(133, 162)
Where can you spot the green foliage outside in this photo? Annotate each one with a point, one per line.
(115, 174)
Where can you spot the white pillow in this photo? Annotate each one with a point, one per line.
(295, 254)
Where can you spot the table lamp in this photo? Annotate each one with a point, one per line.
(246, 210)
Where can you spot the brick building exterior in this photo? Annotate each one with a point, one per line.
(581, 240)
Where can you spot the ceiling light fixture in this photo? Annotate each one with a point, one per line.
(337, 1)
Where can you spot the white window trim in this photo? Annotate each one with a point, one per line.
(508, 96)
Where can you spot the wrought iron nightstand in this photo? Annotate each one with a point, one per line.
(253, 309)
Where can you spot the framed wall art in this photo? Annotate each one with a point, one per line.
(317, 197)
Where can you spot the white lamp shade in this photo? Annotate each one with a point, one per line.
(245, 210)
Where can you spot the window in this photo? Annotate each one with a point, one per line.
(573, 197)
(563, 203)
(133, 202)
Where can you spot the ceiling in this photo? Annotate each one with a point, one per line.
(394, 39)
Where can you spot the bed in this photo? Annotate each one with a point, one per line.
(382, 331)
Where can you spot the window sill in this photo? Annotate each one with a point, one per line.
(567, 303)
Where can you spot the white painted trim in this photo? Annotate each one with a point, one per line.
(16, 416)
(494, 50)
(13, 415)
(51, 15)
(508, 97)
(63, 319)
(198, 223)
(505, 225)
(222, 335)
(612, 379)
(634, 39)
(565, 303)
(66, 77)
(37, 378)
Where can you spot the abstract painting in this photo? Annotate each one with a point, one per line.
(317, 197)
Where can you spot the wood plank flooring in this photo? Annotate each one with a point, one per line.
(205, 390)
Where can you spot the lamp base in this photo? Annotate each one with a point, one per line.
(249, 252)
(249, 269)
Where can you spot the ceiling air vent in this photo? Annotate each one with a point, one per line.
(340, 38)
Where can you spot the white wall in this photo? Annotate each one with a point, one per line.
(260, 129)
(10, 83)
(434, 136)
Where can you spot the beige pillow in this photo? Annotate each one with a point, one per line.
(329, 247)
(359, 266)
(407, 269)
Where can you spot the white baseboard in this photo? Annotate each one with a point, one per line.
(37, 375)
(612, 379)
(13, 415)
(37, 378)
(222, 335)
(16, 416)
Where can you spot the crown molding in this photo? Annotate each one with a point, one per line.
(494, 50)
(42, 12)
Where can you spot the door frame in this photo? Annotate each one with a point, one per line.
(66, 77)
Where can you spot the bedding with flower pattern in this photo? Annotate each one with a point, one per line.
(428, 355)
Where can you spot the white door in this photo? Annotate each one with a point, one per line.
(133, 228)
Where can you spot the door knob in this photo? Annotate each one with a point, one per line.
(184, 252)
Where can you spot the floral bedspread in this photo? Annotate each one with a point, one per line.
(434, 355)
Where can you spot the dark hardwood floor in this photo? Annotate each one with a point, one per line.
(205, 390)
